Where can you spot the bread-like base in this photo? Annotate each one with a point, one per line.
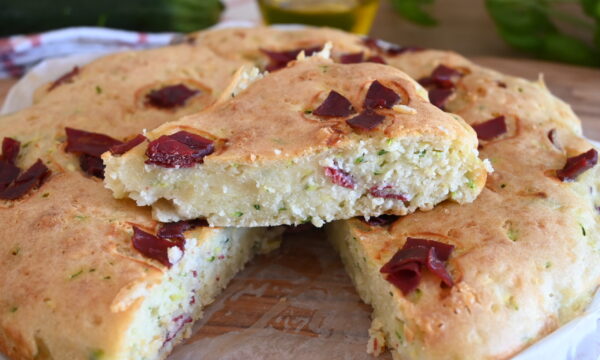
(168, 309)
(276, 162)
(387, 328)
(425, 171)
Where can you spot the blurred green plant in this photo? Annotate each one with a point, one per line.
(414, 11)
(531, 26)
(25, 16)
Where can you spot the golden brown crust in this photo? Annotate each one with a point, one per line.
(247, 43)
(521, 245)
(271, 113)
(68, 256)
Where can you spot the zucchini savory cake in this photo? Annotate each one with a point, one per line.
(313, 142)
(482, 280)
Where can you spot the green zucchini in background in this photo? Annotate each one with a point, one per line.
(31, 16)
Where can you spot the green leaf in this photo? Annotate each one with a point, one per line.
(413, 10)
(530, 26)
(591, 8)
(568, 49)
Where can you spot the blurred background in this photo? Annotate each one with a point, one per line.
(558, 30)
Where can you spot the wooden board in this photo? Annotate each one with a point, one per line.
(297, 302)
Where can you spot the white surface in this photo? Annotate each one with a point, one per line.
(20, 95)
(577, 340)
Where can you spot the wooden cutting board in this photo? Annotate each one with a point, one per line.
(297, 302)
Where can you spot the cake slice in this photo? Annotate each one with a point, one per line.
(88, 277)
(312, 142)
(487, 279)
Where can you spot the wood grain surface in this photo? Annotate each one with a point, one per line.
(297, 302)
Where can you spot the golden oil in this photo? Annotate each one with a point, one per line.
(350, 15)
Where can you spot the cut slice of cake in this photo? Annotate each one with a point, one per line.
(116, 284)
(487, 279)
(313, 142)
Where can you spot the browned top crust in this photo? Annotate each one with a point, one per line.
(272, 113)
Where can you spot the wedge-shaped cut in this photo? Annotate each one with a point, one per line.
(526, 251)
(106, 297)
(313, 142)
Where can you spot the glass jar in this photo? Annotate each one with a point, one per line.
(350, 15)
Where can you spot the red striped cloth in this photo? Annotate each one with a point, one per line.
(20, 52)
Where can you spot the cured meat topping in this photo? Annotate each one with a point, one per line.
(404, 269)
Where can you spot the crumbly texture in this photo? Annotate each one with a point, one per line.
(81, 275)
(526, 250)
(272, 155)
(66, 259)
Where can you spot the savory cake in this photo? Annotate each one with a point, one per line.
(485, 280)
(67, 255)
(313, 142)
(84, 276)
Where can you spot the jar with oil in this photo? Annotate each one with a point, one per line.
(350, 15)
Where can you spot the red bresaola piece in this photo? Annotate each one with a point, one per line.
(366, 120)
(340, 177)
(445, 77)
(437, 267)
(406, 277)
(372, 43)
(379, 96)
(152, 246)
(381, 220)
(92, 165)
(10, 150)
(335, 105)
(577, 165)
(376, 59)
(180, 150)
(439, 97)
(122, 148)
(395, 50)
(8, 170)
(168, 152)
(490, 129)
(66, 78)
(443, 250)
(386, 192)
(352, 58)
(405, 255)
(404, 268)
(170, 97)
(180, 322)
(279, 59)
(32, 178)
(175, 230)
(89, 143)
(8, 174)
(201, 146)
